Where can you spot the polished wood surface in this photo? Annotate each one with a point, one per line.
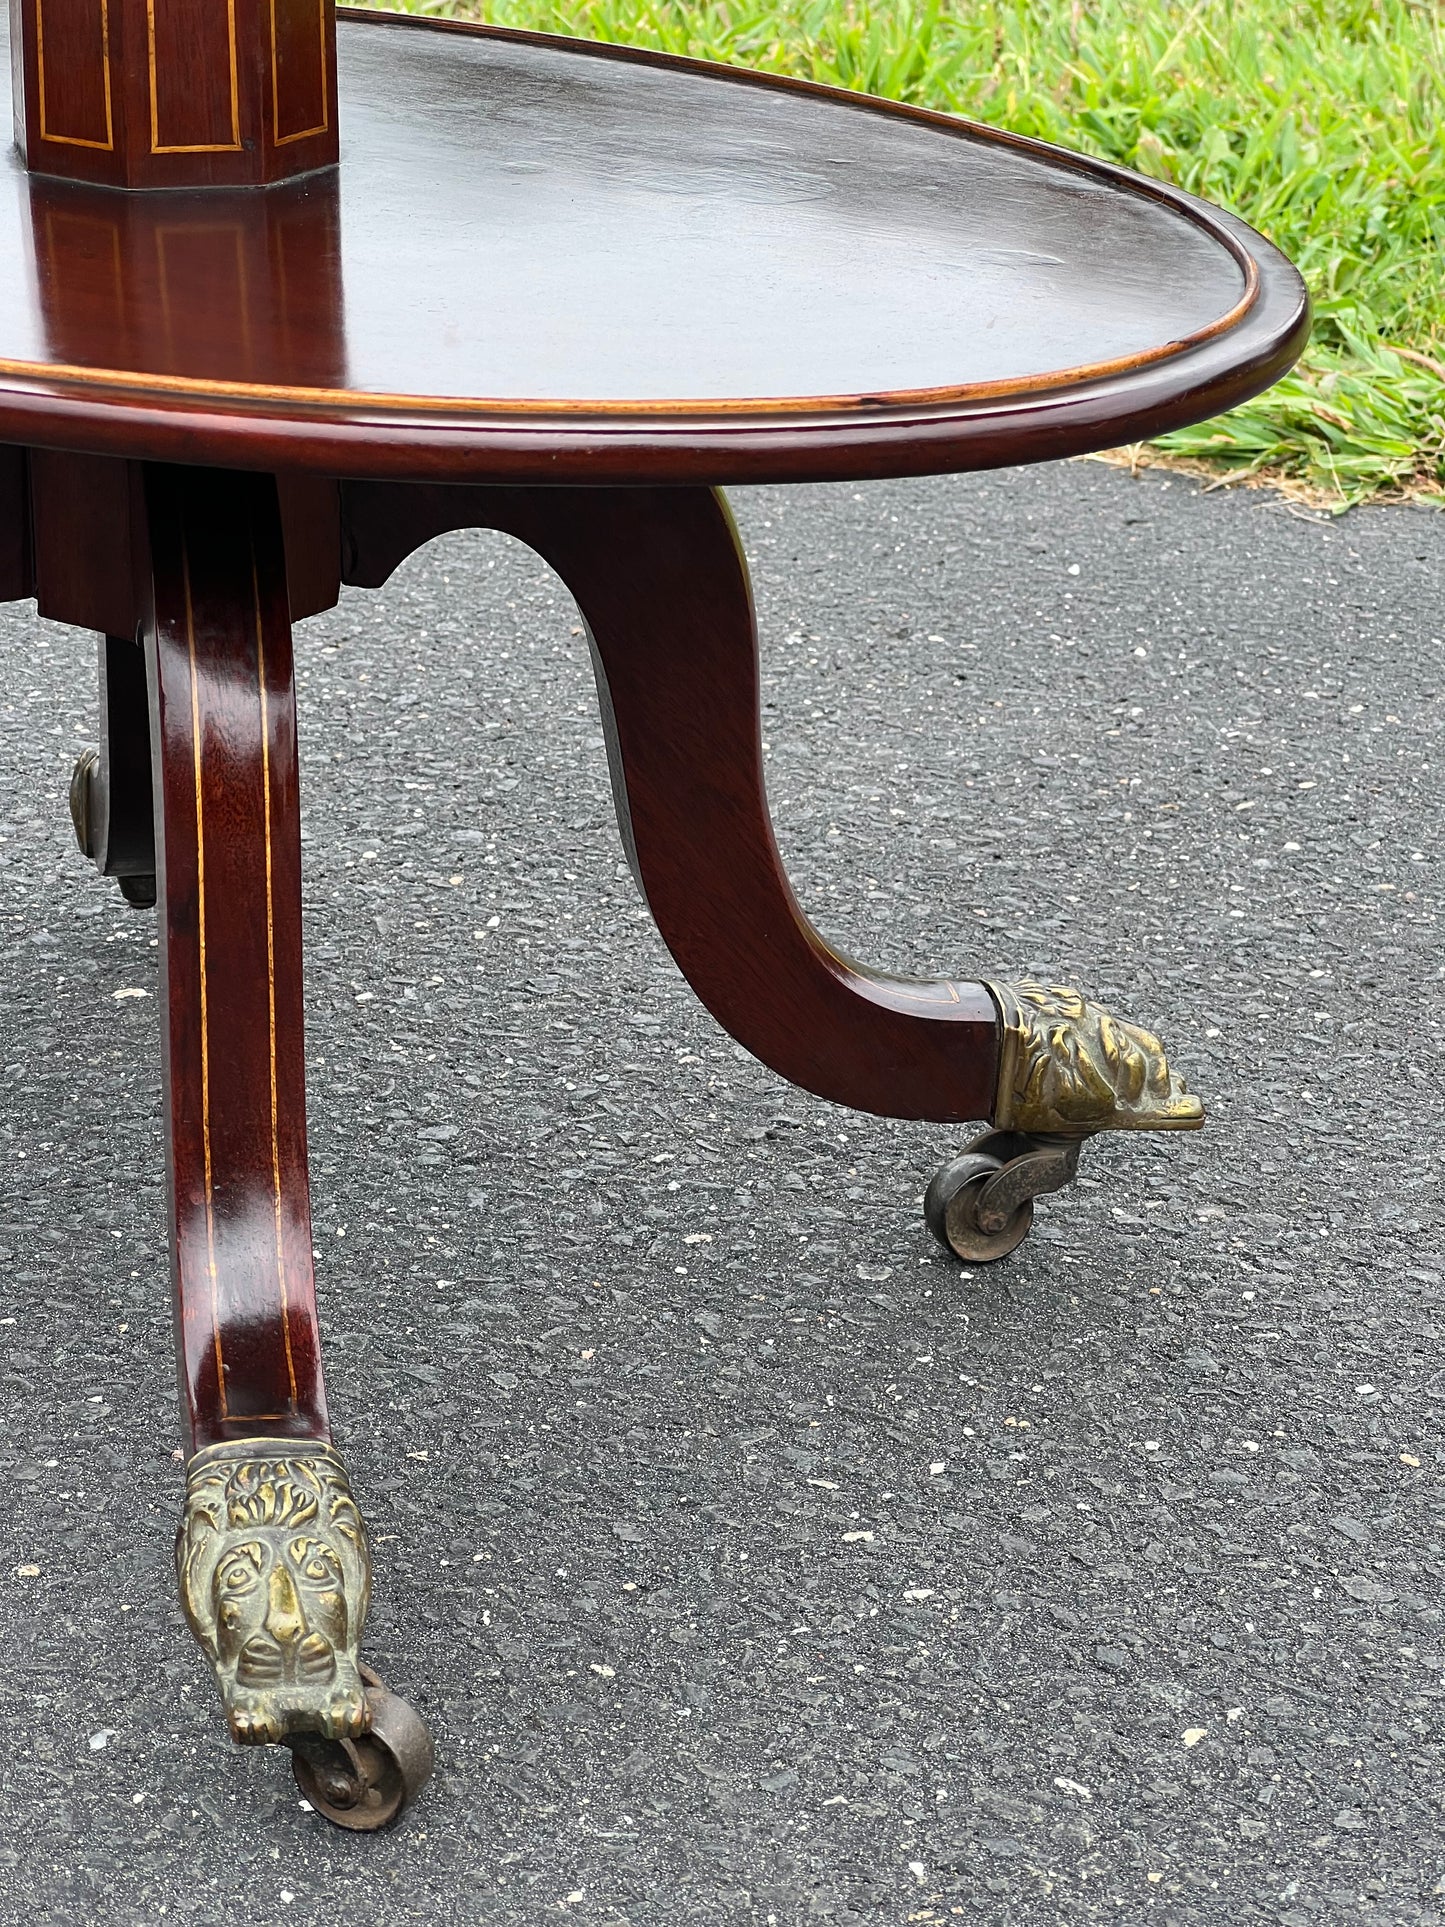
(661, 582)
(548, 260)
(223, 733)
(87, 521)
(80, 524)
(175, 93)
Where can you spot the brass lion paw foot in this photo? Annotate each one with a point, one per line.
(274, 1577)
(1067, 1069)
(1068, 1066)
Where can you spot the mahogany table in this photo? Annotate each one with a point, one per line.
(564, 291)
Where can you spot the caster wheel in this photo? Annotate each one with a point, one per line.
(87, 767)
(138, 891)
(365, 1784)
(951, 1209)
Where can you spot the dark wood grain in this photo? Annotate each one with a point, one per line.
(175, 93)
(86, 515)
(553, 261)
(660, 579)
(83, 518)
(311, 530)
(223, 732)
(244, 285)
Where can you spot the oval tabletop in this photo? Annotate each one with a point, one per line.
(545, 259)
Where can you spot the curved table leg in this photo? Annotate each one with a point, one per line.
(662, 584)
(228, 850)
(271, 1554)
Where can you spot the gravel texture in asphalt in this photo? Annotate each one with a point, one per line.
(752, 1561)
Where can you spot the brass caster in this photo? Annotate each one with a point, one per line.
(366, 1783)
(139, 890)
(980, 1206)
(82, 815)
(1068, 1068)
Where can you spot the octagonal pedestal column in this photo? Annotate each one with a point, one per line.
(175, 93)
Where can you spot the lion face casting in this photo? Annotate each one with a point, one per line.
(274, 1580)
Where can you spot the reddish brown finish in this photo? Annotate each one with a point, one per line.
(661, 581)
(246, 285)
(311, 526)
(779, 282)
(223, 734)
(175, 93)
(88, 567)
(90, 552)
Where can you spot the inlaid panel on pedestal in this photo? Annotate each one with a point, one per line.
(175, 93)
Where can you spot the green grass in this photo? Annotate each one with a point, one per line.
(1320, 121)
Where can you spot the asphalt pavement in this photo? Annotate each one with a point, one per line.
(752, 1562)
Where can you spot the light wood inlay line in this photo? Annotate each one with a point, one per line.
(278, 139)
(201, 948)
(233, 145)
(546, 412)
(271, 975)
(75, 140)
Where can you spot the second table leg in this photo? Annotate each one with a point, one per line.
(662, 584)
(271, 1555)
